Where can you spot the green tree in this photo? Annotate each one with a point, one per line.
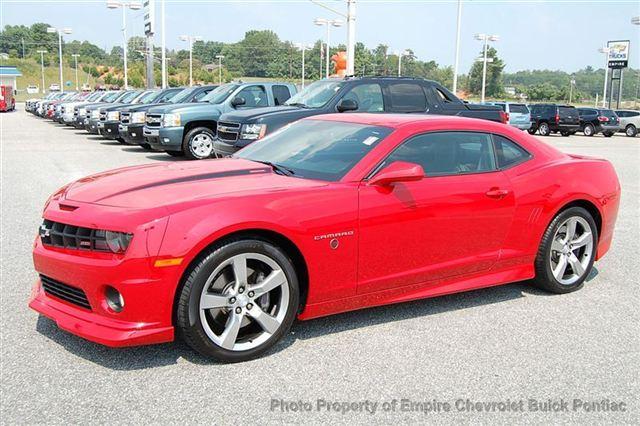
(494, 86)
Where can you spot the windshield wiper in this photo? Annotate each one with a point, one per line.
(298, 104)
(278, 168)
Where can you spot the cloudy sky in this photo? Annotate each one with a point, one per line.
(554, 34)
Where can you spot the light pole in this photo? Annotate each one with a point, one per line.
(219, 58)
(303, 47)
(190, 39)
(571, 84)
(164, 46)
(455, 66)
(485, 38)
(75, 57)
(406, 52)
(42, 52)
(328, 23)
(60, 31)
(605, 51)
(133, 5)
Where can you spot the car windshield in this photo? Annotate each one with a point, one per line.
(316, 95)
(518, 109)
(147, 97)
(94, 96)
(129, 97)
(316, 149)
(220, 94)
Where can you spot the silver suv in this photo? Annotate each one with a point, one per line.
(629, 121)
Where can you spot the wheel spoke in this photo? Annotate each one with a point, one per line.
(267, 322)
(571, 229)
(576, 265)
(240, 270)
(230, 333)
(582, 240)
(273, 280)
(557, 245)
(210, 301)
(558, 271)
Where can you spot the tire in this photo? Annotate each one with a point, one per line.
(198, 143)
(122, 141)
(229, 331)
(145, 146)
(544, 129)
(607, 134)
(532, 131)
(631, 131)
(553, 252)
(589, 130)
(565, 134)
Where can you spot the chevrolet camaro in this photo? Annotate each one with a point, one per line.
(330, 214)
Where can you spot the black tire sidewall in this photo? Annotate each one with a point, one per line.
(188, 316)
(186, 144)
(544, 275)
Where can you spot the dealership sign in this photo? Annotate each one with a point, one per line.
(618, 53)
(149, 16)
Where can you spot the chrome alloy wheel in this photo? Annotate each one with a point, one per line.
(201, 145)
(244, 301)
(571, 250)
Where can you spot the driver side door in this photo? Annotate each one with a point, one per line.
(452, 222)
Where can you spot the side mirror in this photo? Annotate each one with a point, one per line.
(238, 101)
(347, 105)
(398, 171)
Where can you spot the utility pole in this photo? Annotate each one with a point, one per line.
(605, 51)
(351, 37)
(42, 52)
(75, 57)
(60, 31)
(22, 47)
(190, 39)
(455, 66)
(164, 46)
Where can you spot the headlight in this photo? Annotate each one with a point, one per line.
(95, 114)
(113, 116)
(117, 242)
(253, 131)
(171, 120)
(138, 117)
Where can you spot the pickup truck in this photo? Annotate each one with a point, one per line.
(132, 118)
(190, 129)
(238, 129)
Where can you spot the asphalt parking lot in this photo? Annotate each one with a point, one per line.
(505, 343)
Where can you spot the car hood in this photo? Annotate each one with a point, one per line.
(191, 107)
(266, 114)
(141, 107)
(179, 185)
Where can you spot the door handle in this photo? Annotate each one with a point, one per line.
(497, 193)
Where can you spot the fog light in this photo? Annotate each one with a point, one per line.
(167, 140)
(114, 299)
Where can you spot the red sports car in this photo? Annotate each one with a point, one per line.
(330, 214)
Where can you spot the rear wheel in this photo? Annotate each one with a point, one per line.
(532, 130)
(544, 129)
(567, 251)
(239, 299)
(198, 143)
(631, 131)
(589, 130)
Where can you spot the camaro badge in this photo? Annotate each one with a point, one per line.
(333, 238)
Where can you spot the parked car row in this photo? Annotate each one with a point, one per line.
(205, 121)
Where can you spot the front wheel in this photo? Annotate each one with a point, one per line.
(631, 131)
(198, 143)
(239, 299)
(145, 146)
(567, 251)
(544, 129)
(589, 130)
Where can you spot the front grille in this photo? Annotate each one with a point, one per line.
(103, 116)
(228, 131)
(154, 120)
(125, 117)
(65, 292)
(56, 234)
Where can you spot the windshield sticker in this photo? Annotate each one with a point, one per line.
(370, 140)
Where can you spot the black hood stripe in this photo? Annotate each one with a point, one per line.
(206, 176)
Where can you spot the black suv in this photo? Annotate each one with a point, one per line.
(548, 118)
(238, 129)
(594, 120)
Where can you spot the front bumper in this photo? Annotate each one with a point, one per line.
(110, 130)
(521, 125)
(610, 128)
(131, 133)
(92, 126)
(164, 138)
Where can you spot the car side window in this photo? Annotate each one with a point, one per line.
(166, 96)
(281, 94)
(254, 96)
(407, 97)
(368, 97)
(508, 153)
(447, 153)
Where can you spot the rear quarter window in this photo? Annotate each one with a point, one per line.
(518, 108)
(407, 97)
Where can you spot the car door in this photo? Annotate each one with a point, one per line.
(255, 96)
(452, 222)
(405, 96)
(368, 97)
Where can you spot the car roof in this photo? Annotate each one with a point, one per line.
(400, 120)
